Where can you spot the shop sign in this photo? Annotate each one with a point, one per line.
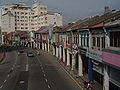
(96, 55)
(74, 46)
(74, 52)
(69, 45)
(98, 67)
(111, 58)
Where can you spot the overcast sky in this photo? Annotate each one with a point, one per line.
(73, 10)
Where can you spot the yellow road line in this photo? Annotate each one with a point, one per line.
(73, 79)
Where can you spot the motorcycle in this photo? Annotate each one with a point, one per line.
(88, 85)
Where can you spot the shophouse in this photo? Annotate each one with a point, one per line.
(111, 56)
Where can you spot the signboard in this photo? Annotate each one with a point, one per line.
(96, 55)
(74, 46)
(98, 67)
(110, 58)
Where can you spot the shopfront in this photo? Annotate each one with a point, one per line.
(84, 58)
(97, 67)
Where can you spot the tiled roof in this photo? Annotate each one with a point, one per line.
(40, 29)
(96, 20)
(44, 29)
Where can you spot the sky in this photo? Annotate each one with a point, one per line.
(73, 10)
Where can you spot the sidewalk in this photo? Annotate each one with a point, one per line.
(2, 55)
(80, 80)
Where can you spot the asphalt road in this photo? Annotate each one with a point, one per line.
(41, 72)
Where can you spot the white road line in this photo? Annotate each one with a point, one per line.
(42, 70)
(46, 80)
(12, 68)
(27, 66)
(5, 81)
(1, 86)
(44, 75)
(8, 75)
(48, 86)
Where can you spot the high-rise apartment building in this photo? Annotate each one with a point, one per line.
(21, 17)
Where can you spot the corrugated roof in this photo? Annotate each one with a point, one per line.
(44, 29)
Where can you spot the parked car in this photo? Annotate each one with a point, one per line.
(30, 54)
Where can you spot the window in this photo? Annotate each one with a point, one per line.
(22, 24)
(98, 41)
(26, 17)
(26, 13)
(103, 42)
(115, 39)
(54, 23)
(22, 12)
(94, 41)
(22, 27)
(82, 40)
(22, 16)
(41, 12)
(26, 27)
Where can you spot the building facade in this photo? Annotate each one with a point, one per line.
(25, 18)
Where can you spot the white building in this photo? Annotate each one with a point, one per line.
(25, 18)
(49, 19)
(8, 21)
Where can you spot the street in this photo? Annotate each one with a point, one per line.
(41, 72)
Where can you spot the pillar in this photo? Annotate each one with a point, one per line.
(107, 39)
(53, 50)
(48, 46)
(42, 46)
(106, 79)
(73, 61)
(63, 54)
(90, 40)
(60, 56)
(45, 47)
(56, 51)
(90, 70)
(68, 58)
(80, 67)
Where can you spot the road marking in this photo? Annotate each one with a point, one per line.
(46, 80)
(42, 70)
(44, 75)
(48, 86)
(1, 86)
(27, 66)
(5, 81)
(8, 75)
(12, 68)
(73, 79)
